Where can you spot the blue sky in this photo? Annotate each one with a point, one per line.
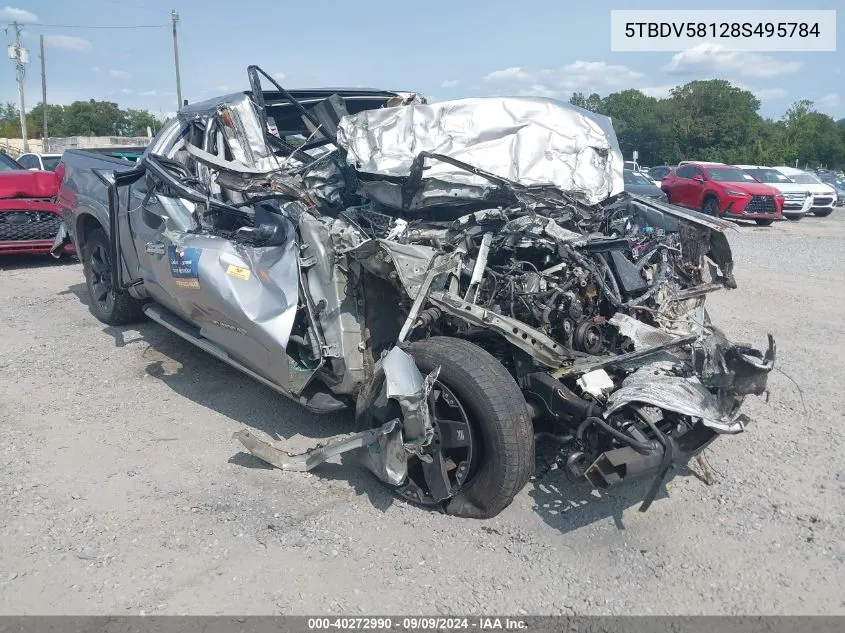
(444, 49)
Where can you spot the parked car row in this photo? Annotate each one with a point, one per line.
(757, 193)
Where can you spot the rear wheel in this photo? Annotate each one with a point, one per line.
(822, 213)
(711, 207)
(764, 222)
(109, 305)
(483, 430)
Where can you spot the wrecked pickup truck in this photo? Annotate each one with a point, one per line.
(462, 273)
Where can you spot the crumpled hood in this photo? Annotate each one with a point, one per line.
(28, 184)
(529, 140)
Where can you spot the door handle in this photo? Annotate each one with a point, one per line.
(154, 248)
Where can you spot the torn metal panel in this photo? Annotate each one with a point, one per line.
(387, 457)
(542, 348)
(533, 141)
(405, 384)
(687, 396)
(642, 335)
(332, 447)
(412, 263)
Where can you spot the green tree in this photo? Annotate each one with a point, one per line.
(137, 122)
(713, 120)
(814, 138)
(591, 103)
(636, 119)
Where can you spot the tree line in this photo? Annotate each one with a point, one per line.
(80, 118)
(716, 121)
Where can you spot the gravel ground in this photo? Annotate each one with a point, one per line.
(122, 492)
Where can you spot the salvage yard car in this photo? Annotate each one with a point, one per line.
(29, 215)
(823, 195)
(796, 198)
(461, 273)
(723, 191)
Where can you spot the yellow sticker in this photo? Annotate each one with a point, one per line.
(238, 272)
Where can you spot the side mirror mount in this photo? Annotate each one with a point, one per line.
(263, 235)
(698, 178)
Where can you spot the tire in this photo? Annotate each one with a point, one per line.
(710, 207)
(108, 305)
(764, 222)
(668, 195)
(823, 214)
(793, 218)
(498, 418)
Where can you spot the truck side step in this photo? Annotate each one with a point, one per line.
(191, 333)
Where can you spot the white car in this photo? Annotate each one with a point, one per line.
(824, 196)
(44, 162)
(797, 198)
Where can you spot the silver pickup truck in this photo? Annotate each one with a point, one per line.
(462, 274)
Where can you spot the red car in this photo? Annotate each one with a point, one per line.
(724, 191)
(29, 215)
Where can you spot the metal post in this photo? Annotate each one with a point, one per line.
(44, 136)
(174, 15)
(20, 57)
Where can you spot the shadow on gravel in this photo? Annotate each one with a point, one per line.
(211, 383)
(26, 262)
(566, 506)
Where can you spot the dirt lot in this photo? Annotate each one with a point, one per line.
(121, 490)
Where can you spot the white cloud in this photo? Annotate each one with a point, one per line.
(279, 76)
(450, 83)
(708, 58)
(148, 93)
(658, 92)
(96, 69)
(539, 90)
(769, 94)
(515, 73)
(68, 42)
(832, 100)
(584, 76)
(222, 88)
(120, 74)
(12, 14)
(127, 91)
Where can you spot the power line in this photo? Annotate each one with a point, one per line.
(83, 26)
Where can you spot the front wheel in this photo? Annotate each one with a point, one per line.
(793, 218)
(764, 222)
(711, 207)
(823, 213)
(483, 433)
(109, 305)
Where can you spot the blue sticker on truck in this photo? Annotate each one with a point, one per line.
(184, 266)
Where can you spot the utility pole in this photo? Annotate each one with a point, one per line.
(18, 53)
(44, 135)
(174, 15)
